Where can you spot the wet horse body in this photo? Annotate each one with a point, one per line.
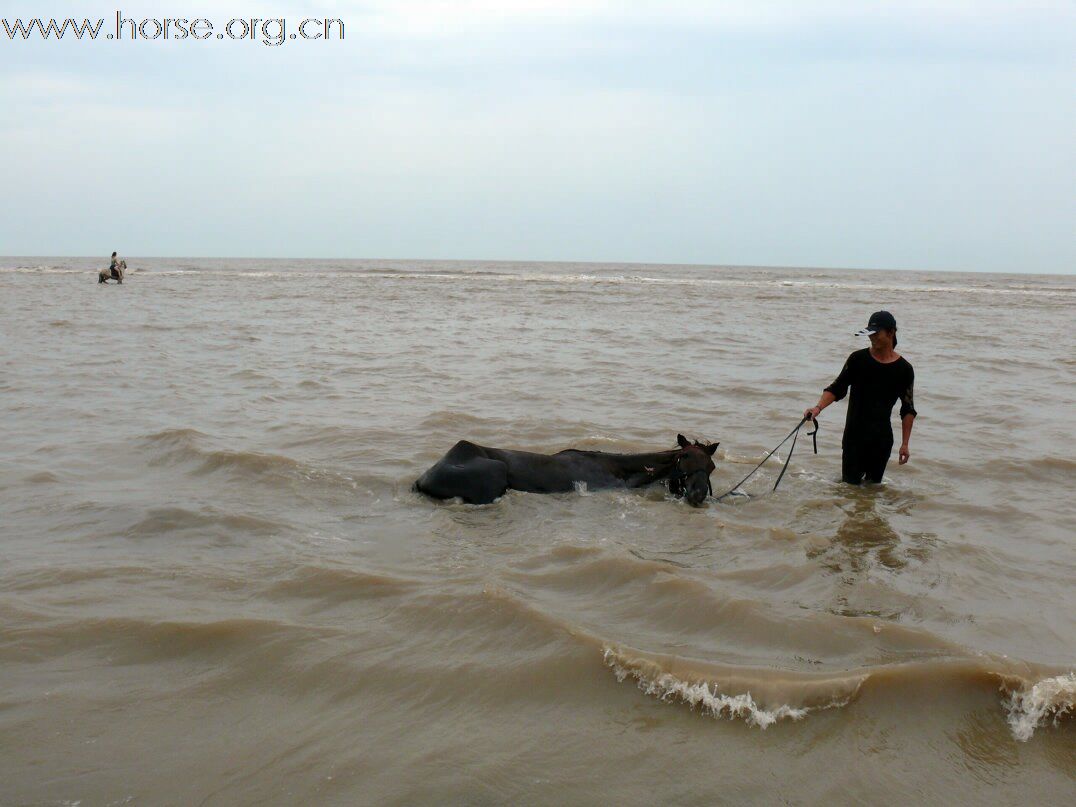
(478, 474)
(116, 273)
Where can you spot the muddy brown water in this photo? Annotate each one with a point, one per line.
(217, 587)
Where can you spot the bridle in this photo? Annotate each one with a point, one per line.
(678, 478)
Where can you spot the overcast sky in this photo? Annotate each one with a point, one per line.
(849, 134)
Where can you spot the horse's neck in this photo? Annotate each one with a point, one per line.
(657, 463)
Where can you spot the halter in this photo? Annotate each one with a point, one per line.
(678, 479)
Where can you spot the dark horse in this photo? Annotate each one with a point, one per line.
(478, 475)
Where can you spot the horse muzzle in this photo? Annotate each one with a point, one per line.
(696, 490)
(695, 498)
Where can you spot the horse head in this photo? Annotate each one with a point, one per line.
(690, 476)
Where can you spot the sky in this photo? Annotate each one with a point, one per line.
(873, 134)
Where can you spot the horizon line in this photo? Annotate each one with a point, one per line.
(806, 267)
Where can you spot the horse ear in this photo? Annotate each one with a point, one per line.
(683, 441)
(710, 449)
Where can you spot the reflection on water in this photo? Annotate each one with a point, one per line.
(864, 539)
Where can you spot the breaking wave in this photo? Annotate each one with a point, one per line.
(734, 698)
(594, 275)
(762, 697)
(1049, 700)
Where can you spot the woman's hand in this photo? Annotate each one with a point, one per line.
(904, 454)
(812, 413)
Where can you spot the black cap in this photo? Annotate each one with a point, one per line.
(879, 321)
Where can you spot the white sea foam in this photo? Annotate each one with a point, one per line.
(44, 270)
(1048, 700)
(666, 686)
(598, 279)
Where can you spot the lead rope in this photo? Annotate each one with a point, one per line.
(794, 435)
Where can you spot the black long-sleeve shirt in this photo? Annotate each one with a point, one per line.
(875, 389)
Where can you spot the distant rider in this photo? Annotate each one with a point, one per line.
(113, 268)
(878, 377)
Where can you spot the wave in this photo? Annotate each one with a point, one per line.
(46, 270)
(762, 697)
(454, 420)
(779, 284)
(1031, 707)
(247, 462)
(336, 585)
(886, 659)
(1038, 469)
(748, 630)
(42, 478)
(709, 698)
(132, 640)
(178, 446)
(175, 437)
(699, 695)
(164, 520)
(648, 280)
(502, 648)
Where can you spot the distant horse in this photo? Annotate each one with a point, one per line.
(108, 274)
(478, 475)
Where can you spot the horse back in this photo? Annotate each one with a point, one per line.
(554, 473)
(479, 474)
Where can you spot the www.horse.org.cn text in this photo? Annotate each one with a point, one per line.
(271, 32)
